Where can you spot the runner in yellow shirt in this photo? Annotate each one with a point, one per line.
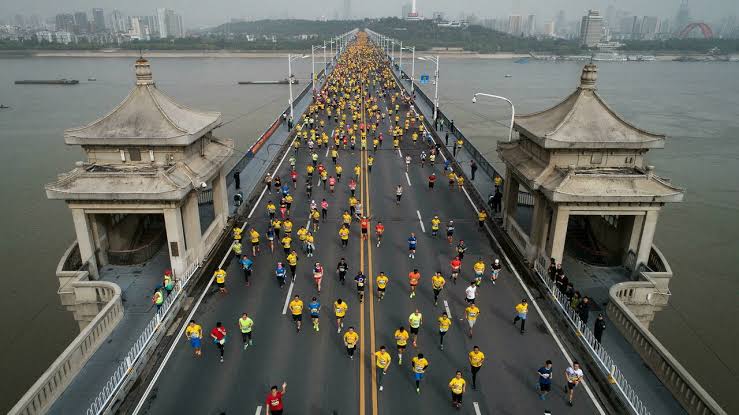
(479, 268)
(286, 241)
(458, 386)
(220, 276)
(340, 308)
(415, 320)
(254, 237)
(296, 308)
(522, 310)
(194, 333)
(471, 313)
(401, 339)
(344, 235)
(437, 283)
(481, 217)
(435, 223)
(382, 364)
(444, 323)
(419, 365)
(382, 281)
(476, 358)
(351, 338)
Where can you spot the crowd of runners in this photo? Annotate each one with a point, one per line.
(348, 113)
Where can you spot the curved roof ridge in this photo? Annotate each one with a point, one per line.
(553, 107)
(621, 119)
(159, 107)
(182, 107)
(117, 108)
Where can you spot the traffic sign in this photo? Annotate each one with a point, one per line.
(424, 79)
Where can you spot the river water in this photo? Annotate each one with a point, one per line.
(695, 104)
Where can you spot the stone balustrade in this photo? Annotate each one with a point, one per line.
(78, 292)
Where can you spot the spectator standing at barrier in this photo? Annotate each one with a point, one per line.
(600, 327)
(583, 309)
(473, 169)
(237, 179)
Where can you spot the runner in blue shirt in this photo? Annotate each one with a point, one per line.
(545, 379)
(281, 272)
(412, 241)
(246, 264)
(315, 312)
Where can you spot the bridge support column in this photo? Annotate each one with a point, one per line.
(559, 233)
(191, 220)
(175, 240)
(510, 199)
(538, 226)
(220, 198)
(647, 237)
(85, 240)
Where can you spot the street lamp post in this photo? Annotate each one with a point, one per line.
(436, 81)
(313, 64)
(513, 109)
(290, 78)
(413, 63)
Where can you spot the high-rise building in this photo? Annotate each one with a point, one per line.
(649, 27)
(515, 24)
(591, 29)
(19, 20)
(347, 9)
(560, 22)
(413, 14)
(35, 21)
(98, 20)
(683, 16)
(531, 25)
(162, 23)
(549, 28)
(118, 22)
(81, 24)
(65, 22)
(405, 10)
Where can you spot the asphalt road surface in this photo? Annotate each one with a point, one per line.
(320, 378)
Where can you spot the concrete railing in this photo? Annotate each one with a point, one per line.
(75, 285)
(652, 290)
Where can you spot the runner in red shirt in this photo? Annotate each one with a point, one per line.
(413, 278)
(432, 180)
(379, 230)
(364, 224)
(294, 177)
(456, 265)
(218, 334)
(274, 400)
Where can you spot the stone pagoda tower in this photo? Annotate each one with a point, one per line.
(149, 156)
(580, 158)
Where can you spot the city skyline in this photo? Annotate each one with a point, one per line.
(198, 15)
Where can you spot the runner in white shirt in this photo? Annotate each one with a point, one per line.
(470, 293)
(573, 375)
(407, 162)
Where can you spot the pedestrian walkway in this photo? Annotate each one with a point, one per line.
(137, 284)
(593, 282)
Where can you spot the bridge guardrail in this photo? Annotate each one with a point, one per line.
(47, 388)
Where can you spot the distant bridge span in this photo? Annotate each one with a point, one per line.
(705, 29)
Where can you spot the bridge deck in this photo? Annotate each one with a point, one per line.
(321, 378)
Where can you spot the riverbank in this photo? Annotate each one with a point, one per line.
(256, 54)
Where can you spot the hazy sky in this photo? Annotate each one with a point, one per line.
(210, 12)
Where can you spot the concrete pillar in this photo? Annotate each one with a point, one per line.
(220, 198)
(175, 240)
(647, 236)
(636, 228)
(510, 199)
(85, 240)
(191, 219)
(559, 233)
(537, 226)
(99, 225)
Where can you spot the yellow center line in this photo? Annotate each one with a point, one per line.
(362, 397)
(370, 274)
